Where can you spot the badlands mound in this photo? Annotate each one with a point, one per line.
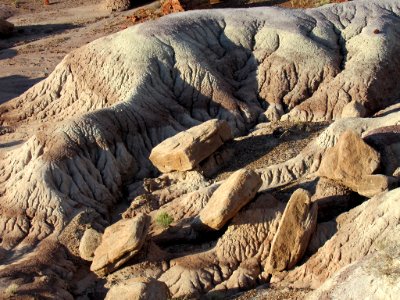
(75, 152)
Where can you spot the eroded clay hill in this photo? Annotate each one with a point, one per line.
(78, 143)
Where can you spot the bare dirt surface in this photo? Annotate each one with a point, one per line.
(266, 292)
(45, 34)
(269, 144)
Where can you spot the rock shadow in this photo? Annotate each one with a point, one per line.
(7, 53)
(29, 33)
(14, 85)
(238, 4)
(254, 151)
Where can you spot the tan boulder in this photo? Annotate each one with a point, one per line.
(372, 185)
(234, 193)
(91, 239)
(187, 149)
(120, 242)
(350, 160)
(294, 232)
(140, 288)
(117, 5)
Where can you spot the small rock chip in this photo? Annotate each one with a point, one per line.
(234, 193)
(294, 232)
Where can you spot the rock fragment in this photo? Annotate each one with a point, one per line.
(372, 185)
(354, 109)
(350, 160)
(187, 149)
(120, 242)
(238, 190)
(140, 288)
(91, 239)
(117, 5)
(294, 232)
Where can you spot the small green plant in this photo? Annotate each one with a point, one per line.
(164, 220)
(11, 290)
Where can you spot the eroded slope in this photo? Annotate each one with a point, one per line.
(90, 126)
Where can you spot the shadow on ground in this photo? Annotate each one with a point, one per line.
(15, 85)
(29, 33)
(7, 53)
(244, 3)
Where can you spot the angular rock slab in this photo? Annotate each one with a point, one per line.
(91, 239)
(294, 232)
(187, 149)
(373, 185)
(350, 160)
(121, 241)
(238, 190)
(140, 288)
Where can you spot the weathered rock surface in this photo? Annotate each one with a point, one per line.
(87, 130)
(120, 242)
(372, 185)
(323, 232)
(309, 160)
(362, 231)
(139, 289)
(295, 229)
(187, 149)
(354, 109)
(117, 5)
(91, 239)
(248, 237)
(386, 140)
(152, 193)
(349, 161)
(333, 199)
(228, 199)
(375, 276)
(5, 11)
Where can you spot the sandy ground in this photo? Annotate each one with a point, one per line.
(45, 34)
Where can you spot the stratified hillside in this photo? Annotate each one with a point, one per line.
(78, 143)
